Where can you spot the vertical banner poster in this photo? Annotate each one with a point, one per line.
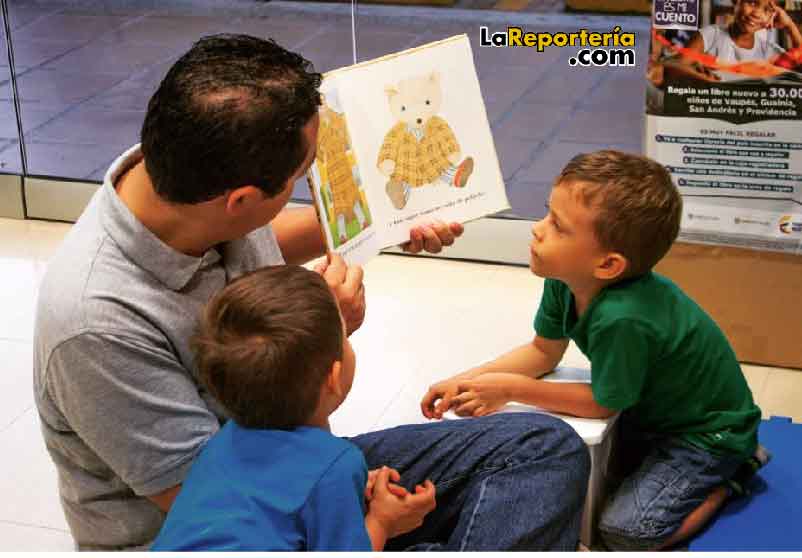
(724, 114)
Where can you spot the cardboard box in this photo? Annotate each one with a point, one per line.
(755, 297)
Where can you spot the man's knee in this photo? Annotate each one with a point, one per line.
(542, 437)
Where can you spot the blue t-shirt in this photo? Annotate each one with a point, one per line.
(271, 490)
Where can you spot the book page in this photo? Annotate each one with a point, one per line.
(336, 183)
(421, 137)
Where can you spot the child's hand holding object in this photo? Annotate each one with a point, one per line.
(389, 514)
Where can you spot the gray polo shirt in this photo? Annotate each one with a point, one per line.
(121, 411)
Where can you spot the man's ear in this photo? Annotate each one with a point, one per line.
(240, 200)
(612, 266)
(333, 381)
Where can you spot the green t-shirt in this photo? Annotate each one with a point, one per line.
(654, 351)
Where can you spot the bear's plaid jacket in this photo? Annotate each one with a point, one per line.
(419, 162)
(332, 151)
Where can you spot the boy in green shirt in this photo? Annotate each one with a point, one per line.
(655, 354)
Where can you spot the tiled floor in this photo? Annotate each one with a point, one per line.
(86, 69)
(427, 319)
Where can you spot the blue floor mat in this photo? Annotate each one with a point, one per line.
(770, 519)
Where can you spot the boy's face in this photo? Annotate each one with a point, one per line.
(564, 245)
(754, 15)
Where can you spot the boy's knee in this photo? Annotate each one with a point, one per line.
(628, 541)
(624, 525)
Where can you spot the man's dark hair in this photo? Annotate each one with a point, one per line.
(266, 344)
(229, 113)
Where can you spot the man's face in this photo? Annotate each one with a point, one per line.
(309, 132)
(754, 15)
(564, 245)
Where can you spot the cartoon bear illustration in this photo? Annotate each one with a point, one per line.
(420, 149)
(332, 153)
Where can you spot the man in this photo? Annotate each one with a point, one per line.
(232, 126)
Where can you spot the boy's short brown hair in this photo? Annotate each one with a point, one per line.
(638, 207)
(266, 343)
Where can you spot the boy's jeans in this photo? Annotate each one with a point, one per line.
(666, 480)
(509, 481)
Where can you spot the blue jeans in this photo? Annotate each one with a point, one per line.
(668, 479)
(510, 481)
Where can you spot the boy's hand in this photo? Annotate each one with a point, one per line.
(392, 515)
(346, 284)
(485, 394)
(438, 399)
(393, 478)
(432, 237)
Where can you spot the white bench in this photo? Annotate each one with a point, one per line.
(598, 434)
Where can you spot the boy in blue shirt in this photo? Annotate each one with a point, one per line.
(272, 349)
(655, 355)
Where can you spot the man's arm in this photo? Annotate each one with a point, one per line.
(130, 387)
(298, 235)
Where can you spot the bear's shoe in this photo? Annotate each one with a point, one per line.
(398, 192)
(463, 172)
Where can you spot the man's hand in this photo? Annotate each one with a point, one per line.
(432, 237)
(346, 284)
(485, 394)
(390, 515)
(439, 398)
(393, 478)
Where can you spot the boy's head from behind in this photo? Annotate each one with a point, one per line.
(612, 215)
(271, 348)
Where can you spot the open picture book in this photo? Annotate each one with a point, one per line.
(403, 139)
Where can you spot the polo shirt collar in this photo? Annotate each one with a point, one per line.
(169, 266)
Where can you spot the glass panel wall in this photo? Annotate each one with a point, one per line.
(86, 70)
(10, 158)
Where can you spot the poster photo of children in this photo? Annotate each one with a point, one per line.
(738, 41)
